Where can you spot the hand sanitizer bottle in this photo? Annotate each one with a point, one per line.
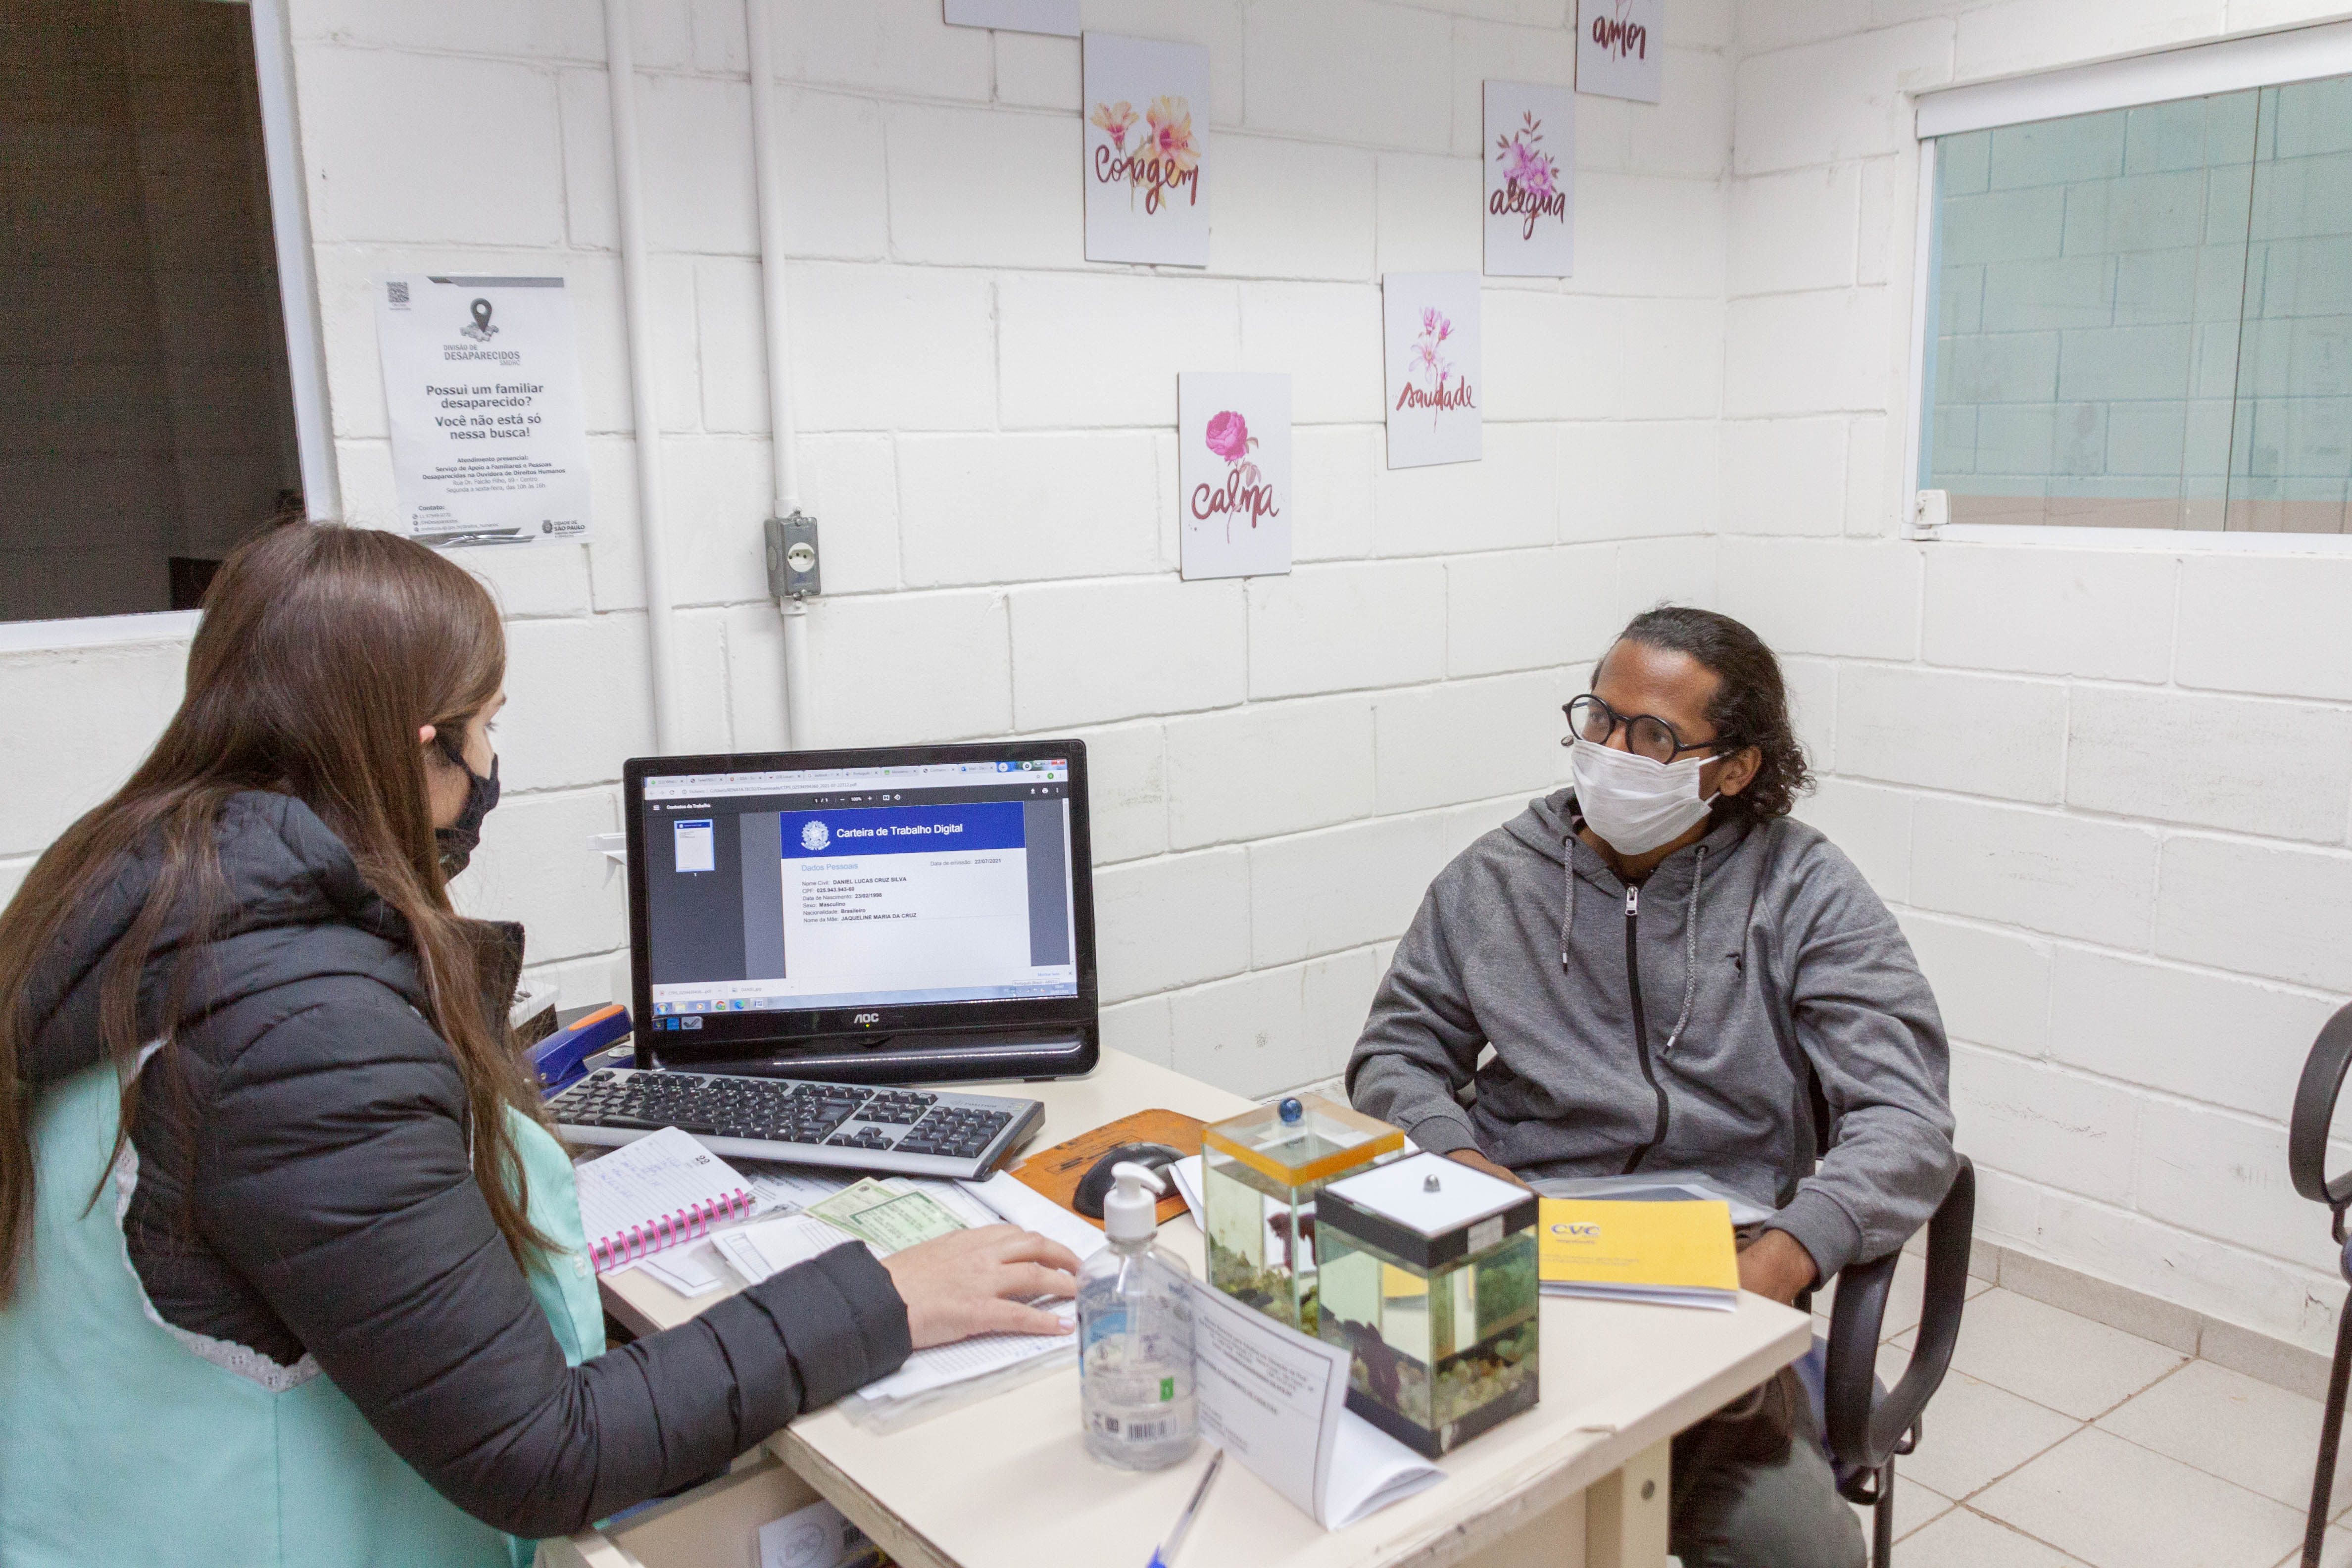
(1135, 1335)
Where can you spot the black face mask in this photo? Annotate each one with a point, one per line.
(457, 841)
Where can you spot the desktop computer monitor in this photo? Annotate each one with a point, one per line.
(922, 912)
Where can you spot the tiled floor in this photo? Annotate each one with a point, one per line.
(2057, 1442)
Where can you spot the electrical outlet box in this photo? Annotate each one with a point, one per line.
(794, 569)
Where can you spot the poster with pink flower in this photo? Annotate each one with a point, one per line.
(1436, 390)
(1147, 150)
(1530, 180)
(1233, 473)
(1621, 48)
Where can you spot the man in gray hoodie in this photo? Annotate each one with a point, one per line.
(1659, 958)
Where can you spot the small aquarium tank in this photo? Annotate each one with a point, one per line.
(1260, 1173)
(1428, 1280)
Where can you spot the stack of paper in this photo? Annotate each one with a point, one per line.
(1655, 1187)
(1669, 1254)
(899, 1212)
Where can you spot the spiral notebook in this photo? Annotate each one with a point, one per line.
(662, 1191)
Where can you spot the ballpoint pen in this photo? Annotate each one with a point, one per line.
(1165, 1553)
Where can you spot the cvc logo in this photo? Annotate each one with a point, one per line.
(814, 837)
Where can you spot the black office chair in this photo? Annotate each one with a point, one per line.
(1865, 1424)
(2306, 1163)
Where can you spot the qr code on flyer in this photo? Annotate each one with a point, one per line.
(395, 292)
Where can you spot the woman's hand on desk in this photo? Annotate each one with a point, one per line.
(979, 1282)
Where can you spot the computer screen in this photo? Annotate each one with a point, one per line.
(867, 888)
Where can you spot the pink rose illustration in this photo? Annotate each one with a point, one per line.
(1228, 436)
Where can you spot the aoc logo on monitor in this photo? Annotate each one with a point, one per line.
(814, 836)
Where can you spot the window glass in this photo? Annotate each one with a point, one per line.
(2089, 277)
(2292, 454)
(146, 421)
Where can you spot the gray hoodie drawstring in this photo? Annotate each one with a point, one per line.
(1690, 933)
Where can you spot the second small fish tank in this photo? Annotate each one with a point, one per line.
(1260, 1173)
(1427, 1277)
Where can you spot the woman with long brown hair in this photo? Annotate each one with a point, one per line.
(289, 1264)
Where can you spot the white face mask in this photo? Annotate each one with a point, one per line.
(1634, 803)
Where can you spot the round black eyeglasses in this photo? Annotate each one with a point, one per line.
(1646, 735)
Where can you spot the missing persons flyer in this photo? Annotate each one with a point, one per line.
(481, 382)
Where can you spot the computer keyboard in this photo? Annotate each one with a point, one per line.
(897, 1131)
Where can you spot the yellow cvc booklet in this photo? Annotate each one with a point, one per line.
(1671, 1254)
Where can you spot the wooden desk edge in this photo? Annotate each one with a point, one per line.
(1487, 1516)
(1480, 1519)
(908, 1547)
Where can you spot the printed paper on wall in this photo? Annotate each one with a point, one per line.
(481, 379)
(1233, 467)
(1530, 180)
(1059, 17)
(1435, 390)
(1621, 48)
(1147, 150)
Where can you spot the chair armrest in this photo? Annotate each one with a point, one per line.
(1864, 1430)
(2315, 1108)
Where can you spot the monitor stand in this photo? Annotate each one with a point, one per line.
(943, 1056)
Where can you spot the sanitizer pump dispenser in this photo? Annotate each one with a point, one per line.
(1135, 1335)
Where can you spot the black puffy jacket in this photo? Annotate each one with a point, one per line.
(304, 1192)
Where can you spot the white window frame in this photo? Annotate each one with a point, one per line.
(2197, 71)
(305, 360)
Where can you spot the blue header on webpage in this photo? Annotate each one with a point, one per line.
(901, 830)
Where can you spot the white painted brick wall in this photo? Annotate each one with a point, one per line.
(1175, 921)
(1440, 745)
(65, 762)
(987, 435)
(2258, 909)
(1086, 503)
(1794, 231)
(1266, 769)
(1317, 893)
(2036, 870)
(1525, 609)
(1992, 984)
(2047, 1124)
(2136, 962)
(2280, 769)
(2158, 1024)
(1087, 654)
(2102, 613)
(1976, 734)
(1344, 626)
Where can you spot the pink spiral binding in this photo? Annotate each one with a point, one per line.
(606, 1253)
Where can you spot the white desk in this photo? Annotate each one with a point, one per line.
(1005, 1483)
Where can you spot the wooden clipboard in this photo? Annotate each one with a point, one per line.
(1056, 1172)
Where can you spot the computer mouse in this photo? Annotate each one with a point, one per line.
(1095, 1185)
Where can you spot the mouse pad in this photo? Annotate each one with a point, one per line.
(1056, 1172)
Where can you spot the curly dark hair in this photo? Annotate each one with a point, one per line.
(1751, 706)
